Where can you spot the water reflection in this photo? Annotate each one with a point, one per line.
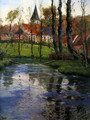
(29, 92)
(65, 102)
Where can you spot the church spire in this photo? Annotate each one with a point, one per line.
(35, 16)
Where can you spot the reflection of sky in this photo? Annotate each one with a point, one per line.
(21, 99)
(24, 98)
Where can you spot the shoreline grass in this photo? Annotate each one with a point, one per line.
(70, 67)
(5, 62)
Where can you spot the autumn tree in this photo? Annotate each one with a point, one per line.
(15, 27)
(76, 25)
(5, 29)
(47, 13)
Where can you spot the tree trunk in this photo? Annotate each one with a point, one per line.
(31, 46)
(83, 33)
(53, 29)
(0, 34)
(86, 49)
(41, 42)
(60, 27)
(69, 30)
(19, 42)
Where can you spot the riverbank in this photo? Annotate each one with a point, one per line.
(67, 67)
(5, 62)
(70, 67)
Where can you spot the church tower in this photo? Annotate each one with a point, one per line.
(35, 17)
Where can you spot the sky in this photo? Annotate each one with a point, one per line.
(7, 5)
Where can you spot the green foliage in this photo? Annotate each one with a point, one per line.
(12, 15)
(47, 12)
(47, 21)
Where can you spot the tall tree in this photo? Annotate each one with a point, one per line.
(0, 27)
(41, 30)
(60, 26)
(12, 15)
(20, 12)
(53, 28)
(31, 34)
(69, 30)
(83, 31)
(47, 13)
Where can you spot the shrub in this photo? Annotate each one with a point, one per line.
(63, 56)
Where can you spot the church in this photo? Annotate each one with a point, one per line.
(33, 29)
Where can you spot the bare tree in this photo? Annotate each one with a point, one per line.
(69, 30)
(30, 35)
(53, 27)
(0, 27)
(31, 42)
(41, 30)
(60, 26)
(41, 39)
(19, 24)
(83, 32)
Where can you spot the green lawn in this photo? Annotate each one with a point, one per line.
(12, 51)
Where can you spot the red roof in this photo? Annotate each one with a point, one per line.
(89, 47)
(5, 37)
(35, 28)
(73, 37)
(76, 39)
(79, 39)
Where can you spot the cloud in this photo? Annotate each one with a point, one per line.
(3, 13)
(7, 5)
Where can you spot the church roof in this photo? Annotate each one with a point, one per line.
(36, 29)
(35, 15)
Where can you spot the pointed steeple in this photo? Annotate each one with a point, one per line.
(35, 16)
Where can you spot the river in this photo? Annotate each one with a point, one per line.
(37, 92)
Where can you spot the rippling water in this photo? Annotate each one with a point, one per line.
(36, 92)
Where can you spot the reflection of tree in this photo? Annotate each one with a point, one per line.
(51, 84)
(65, 102)
(58, 89)
(7, 79)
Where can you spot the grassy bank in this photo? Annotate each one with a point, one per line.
(70, 67)
(5, 62)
